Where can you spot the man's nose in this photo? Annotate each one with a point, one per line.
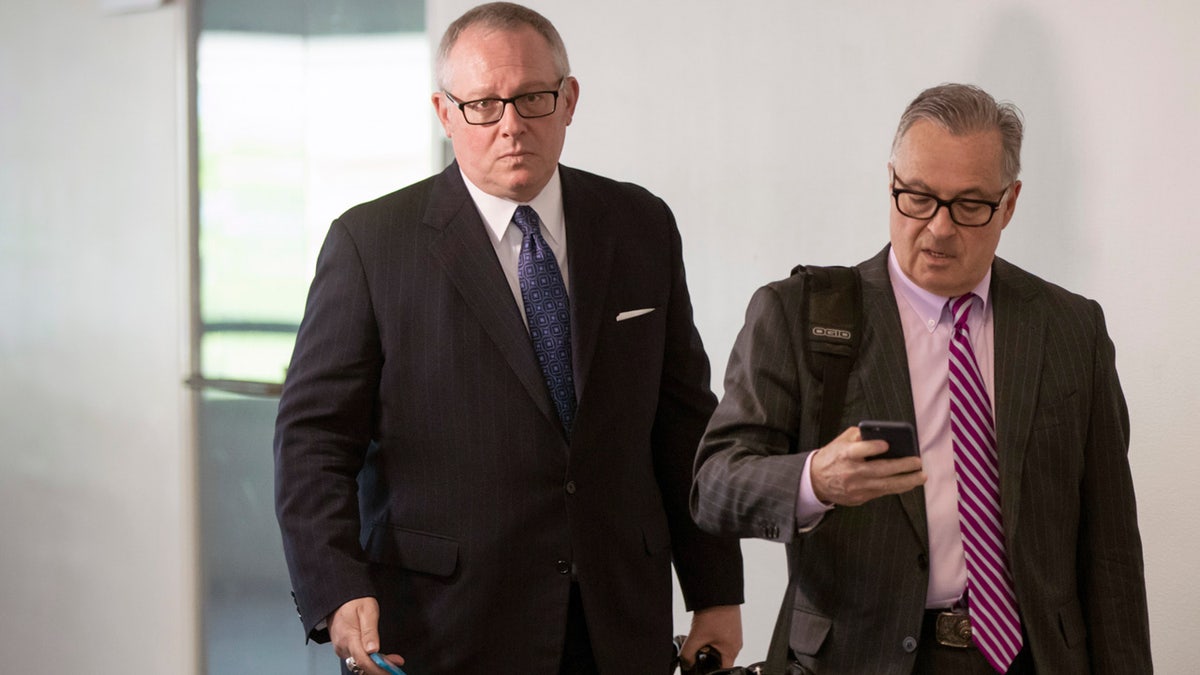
(941, 224)
(511, 123)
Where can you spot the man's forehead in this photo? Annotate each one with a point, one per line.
(930, 135)
(470, 87)
(931, 154)
(500, 45)
(486, 60)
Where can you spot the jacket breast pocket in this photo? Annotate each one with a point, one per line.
(412, 550)
(1054, 413)
(1057, 439)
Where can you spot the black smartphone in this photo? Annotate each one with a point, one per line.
(900, 436)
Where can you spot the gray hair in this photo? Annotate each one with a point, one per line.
(499, 16)
(965, 109)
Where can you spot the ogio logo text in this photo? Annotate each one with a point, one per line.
(834, 333)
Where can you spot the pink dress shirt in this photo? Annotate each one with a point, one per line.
(927, 329)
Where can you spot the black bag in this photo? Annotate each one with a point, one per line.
(708, 662)
(832, 334)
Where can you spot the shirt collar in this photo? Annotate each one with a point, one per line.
(497, 212)
(928, 305)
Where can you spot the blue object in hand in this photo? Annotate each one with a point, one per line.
(386, 665)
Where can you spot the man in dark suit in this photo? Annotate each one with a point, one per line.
(1011, 543)
(457, 494)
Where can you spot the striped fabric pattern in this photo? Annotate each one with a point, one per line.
(995, 624)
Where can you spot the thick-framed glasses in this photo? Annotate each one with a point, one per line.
(964, 212)
(529, 105)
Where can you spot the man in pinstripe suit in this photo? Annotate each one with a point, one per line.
(875, 547)
(435, 503)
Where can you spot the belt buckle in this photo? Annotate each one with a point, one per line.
(953, 629)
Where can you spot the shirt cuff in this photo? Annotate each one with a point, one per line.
(809, 509)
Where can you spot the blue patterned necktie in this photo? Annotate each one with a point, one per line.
(548, 311)
(995, 623)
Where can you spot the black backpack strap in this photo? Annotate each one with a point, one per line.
(778, 650)
(832, 333)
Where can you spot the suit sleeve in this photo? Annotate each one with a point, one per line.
(747, 470)
(322, 432)
(1112, 579)
(709, 567)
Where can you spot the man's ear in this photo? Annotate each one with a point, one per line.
(443, 107)
(572, 97)
(1010, 203)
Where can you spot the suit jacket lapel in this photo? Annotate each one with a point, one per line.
(1019, 331)
(469, 260)
(590, 247)
(887, 387)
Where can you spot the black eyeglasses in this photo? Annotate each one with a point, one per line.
(964, 212)
(530, 105)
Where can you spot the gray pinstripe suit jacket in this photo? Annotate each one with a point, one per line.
(861, 574)
(419, 458)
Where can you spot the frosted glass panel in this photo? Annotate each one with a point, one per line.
(304, 108)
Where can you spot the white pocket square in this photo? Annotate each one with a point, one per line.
(634, 313)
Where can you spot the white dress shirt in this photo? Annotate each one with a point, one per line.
(497, 214)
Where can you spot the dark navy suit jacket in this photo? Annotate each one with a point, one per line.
(419, 458)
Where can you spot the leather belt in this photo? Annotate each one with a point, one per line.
(951, 628)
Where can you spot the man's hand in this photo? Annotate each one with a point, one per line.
(718, 627)
(842, 473)
(354, 631)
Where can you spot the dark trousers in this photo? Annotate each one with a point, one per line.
(936, 659)
(577, 658)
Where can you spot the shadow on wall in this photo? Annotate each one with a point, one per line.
(1019, 61)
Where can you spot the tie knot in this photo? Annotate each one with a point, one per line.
(960, 309)
(526, 219)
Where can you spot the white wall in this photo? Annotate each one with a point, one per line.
(766, 125)
(96, 514)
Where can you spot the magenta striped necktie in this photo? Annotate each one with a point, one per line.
(995, 624)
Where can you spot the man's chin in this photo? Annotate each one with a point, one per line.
(939, 282)
(522, 186)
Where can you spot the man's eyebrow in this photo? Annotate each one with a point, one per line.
(921, 186)
(973, 193)
(520, 91)
(913, 185)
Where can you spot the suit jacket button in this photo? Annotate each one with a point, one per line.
(563, 567)
(570, 487)
(910, 644)
(923, 561)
